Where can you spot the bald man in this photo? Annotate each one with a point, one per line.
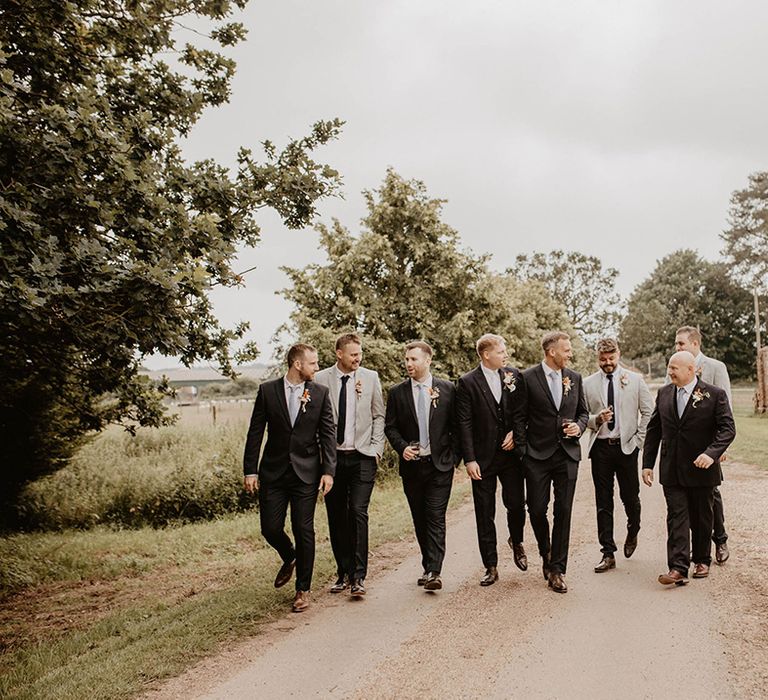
(693, 424)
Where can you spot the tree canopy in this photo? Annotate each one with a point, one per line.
(109, 239)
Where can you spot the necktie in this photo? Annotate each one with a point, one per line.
(342, 424)
(556, 388)
(681, 402)
(293, 401)
(422, 415)
(612, 422)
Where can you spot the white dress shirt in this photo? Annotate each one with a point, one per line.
(688, 389)
(427, 384)
(604, 432)
(349, 421)
(494, 381)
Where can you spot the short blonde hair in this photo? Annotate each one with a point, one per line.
(486, 341)
(422, 345)
(549, 339)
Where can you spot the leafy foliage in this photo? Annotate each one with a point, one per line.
(110, 241)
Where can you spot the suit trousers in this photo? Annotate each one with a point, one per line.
(558, 474)
(347, 508)
(719, 535)
(511, 475)
(274, 498)
(689, 526)
(609, 460)
(428, 490)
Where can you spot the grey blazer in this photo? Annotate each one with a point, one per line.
(634, 407)
(712, 371)
(369, 415)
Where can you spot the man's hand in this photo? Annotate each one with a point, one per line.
(703, 461)
(604, 416)
(251, 483)
(473, 469)
(326, 483)
(509, 442)
(648, 477)
(410, 453)
(572, 429)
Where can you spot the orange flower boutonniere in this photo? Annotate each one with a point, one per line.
(304, 400)
(434, 395)
(567, 385)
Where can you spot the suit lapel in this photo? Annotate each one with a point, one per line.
(335, 387)
(539, 372)
(282, 401)
(408, 386)
(690, 401)
(482, 382)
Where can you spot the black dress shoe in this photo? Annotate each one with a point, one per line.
(721, 553)
(422, 579)
(557, 582)
(630, 545)
(285, 573)
(433, 582)
(518, 554)
(342, 583)
(358, 587)
(545, 566)
(490, 577)
(607, 563)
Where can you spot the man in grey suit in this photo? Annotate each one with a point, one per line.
(714, 372)
(358, 410)
(620, 406)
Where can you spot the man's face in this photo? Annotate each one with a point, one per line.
(417, 363)
(681, 373)
(307, 366)
(495, 357)
(561, 353)
(683, 342)
(349, 357)
(608, 361)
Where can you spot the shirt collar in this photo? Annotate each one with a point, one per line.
(288, 385)
(549, 371)
(427, 381)
(688, 388)
(340, 374)
(489, 372)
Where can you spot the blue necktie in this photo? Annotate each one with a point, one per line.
(293, 402)
(422, 415)
(557, 390)
(681, 402)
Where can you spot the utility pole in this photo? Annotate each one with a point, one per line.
(761, 403)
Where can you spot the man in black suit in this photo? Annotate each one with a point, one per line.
(556, 415)
(693, 424)
(299, 459)
(419, 425)
(489, 410)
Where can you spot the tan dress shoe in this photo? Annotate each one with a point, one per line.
(700, 571)
(300, 601)
(673, 576)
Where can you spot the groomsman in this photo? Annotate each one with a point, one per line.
(490, 404)
(693, 424)
(555, 418)
(358, 410)
(420, 428)
(714, 372)
(299, 459)
(620, 407)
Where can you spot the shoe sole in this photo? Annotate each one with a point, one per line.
(433, 586)
(488, 583)
(700, 575)
(669, 582)
(602, 571)
(357, 594)
(298, 610)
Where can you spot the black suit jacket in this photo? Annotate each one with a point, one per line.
(544, 422)
(480, 432)
(706, 426)
(401, 425)
(309, 446)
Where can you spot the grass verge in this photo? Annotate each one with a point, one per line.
(751, 443)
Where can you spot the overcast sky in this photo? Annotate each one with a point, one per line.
(618, 129)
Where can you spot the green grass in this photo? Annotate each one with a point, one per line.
(751, 443)
(126, 608)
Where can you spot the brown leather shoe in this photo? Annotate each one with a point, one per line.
(545, 566)
(700, 571)
(557, 582)
(721, 553)
(342, 583)
(608, 562)
(490, 577)
(673, 576)
(285, 573)
(630, 545)
(518, 554)
(300, 601)
(433, 582)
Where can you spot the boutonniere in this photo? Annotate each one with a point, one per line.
(567, 385)
(434, 395)
(698, 395)
(697, 371)
(304, 400)
(509, 381)
(624, 380)
(359, 388)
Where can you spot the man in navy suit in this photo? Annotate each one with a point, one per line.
(299, 459)
(556, 416)
(693, 425)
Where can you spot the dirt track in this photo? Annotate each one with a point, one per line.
(613, 634)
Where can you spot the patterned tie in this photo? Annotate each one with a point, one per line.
(612, 422)
(422, 414)
(556, 388)
(342, 425)
(681, 402)
(293, 402)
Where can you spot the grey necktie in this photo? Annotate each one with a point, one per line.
(293, 401)
(556, 388)
(681, 401)
(422, 414)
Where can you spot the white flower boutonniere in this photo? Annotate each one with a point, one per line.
(567, 385)
(697, 396)
(624, 380)
(510, 383)
(304, 400)
(359, 388)
(434, 395)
